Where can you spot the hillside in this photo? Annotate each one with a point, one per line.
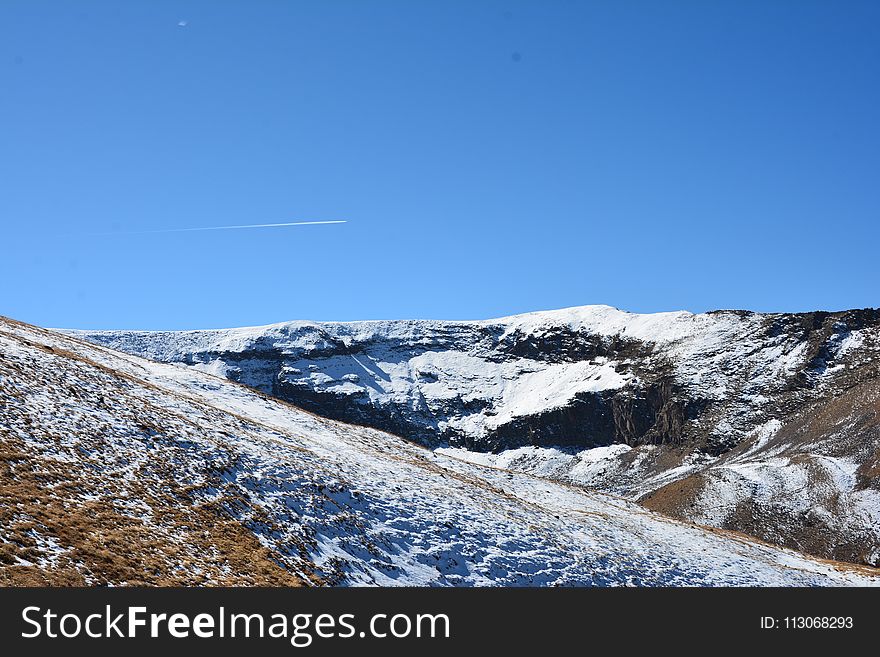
(119, 470)
(765, 423)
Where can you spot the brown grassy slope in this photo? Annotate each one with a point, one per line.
(145, 529)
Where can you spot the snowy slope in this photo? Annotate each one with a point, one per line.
(202, 465)
(672, 395)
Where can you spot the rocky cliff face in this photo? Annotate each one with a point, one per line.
(675, 394)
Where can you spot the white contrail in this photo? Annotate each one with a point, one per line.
(187, 230)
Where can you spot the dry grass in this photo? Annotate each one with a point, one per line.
(676, 499)
(145, 530)
(105, 545)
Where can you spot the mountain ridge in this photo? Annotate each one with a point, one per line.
(678, 391)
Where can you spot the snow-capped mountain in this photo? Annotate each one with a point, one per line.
(119, 470)
(766, 423)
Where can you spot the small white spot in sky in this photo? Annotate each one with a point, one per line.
(182, 23)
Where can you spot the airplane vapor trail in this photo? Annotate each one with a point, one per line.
(187, 230)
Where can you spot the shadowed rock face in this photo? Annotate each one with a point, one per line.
(649, 411)
(642, 412)
(684, 391)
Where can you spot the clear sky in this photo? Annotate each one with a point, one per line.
(489, 157)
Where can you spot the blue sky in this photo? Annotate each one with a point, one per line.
(490, 158)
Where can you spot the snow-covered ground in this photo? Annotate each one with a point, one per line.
(799, 487)
(341, 503)
(665, 398)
